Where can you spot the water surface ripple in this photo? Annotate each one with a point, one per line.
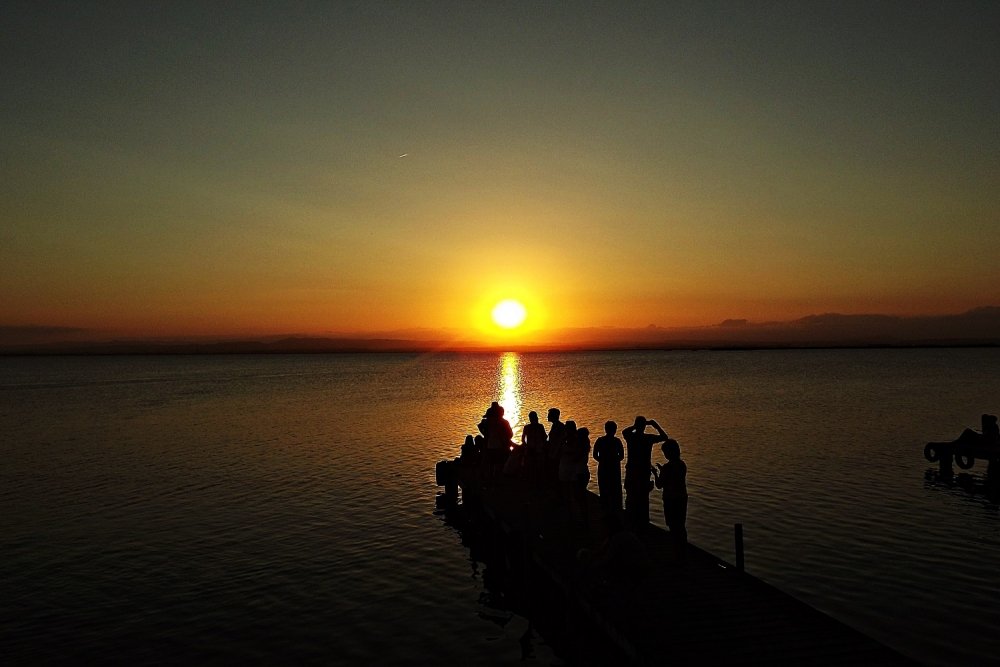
(266, 508)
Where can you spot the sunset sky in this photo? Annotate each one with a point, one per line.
(171, 169)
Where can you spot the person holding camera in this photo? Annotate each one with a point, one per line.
(672, 478)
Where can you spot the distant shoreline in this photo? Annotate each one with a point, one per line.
(333, 346)
(979, 327)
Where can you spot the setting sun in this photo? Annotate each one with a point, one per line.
(509, 313)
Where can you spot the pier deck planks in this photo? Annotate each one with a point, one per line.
(703, 612)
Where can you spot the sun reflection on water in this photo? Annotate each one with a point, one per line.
(509, 388)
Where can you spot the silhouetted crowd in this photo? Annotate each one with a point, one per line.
(556, 462)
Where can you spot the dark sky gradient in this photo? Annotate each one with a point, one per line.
(176, 169)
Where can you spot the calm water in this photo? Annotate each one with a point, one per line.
(162, 509)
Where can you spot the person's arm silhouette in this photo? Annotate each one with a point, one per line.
(661, 435)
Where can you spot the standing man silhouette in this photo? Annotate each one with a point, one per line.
(498, 439)
(672, 478)
(638, 467)
(553, 450)
(608, 453)
(533, 439)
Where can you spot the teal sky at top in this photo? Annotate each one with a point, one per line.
(172, 167)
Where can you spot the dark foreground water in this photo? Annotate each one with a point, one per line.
(281, 508)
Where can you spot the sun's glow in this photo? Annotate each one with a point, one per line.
(509, 313)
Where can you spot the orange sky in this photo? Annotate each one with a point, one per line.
(606, 167)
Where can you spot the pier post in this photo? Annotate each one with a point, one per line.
(740, 565)
(945, 463)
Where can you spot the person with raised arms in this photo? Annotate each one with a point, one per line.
(638, 467)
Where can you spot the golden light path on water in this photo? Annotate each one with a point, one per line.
(509, 389)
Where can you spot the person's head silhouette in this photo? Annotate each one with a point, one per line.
(553, 414)
(610, 427)
(671, 450)
(640, 423)
(570, 426)
(533, 417)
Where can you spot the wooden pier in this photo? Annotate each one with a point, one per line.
(702, 612)
(965, 455)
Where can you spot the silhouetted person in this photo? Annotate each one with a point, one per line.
(533, 439)
(469, 453)
(484, 423)
(991, 431)
(609, 454)
(498, 439)
(991, 434)
(485, 464)
(638, 467)
(991, 438)
(514, 466)
(621, 561)
(581, 472)
(553, 450)
(672, 478)
(567, 465)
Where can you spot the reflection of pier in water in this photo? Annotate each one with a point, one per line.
(703, 612)
(508, 594)
(964, 484)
